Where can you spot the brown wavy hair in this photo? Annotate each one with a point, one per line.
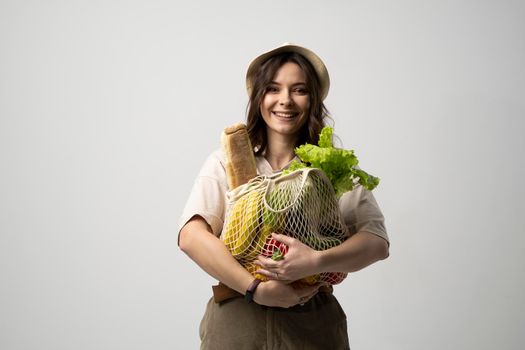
(318, 114)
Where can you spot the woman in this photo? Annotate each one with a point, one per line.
(287, 87)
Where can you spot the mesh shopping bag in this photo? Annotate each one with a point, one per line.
(301, 204)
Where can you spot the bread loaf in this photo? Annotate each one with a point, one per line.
(240, 160)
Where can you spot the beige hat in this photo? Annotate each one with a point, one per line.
(314, 60)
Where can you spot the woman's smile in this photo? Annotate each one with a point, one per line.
(285, 115)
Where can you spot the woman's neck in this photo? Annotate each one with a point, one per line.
(279, 151)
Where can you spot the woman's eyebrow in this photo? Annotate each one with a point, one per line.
(295, 84)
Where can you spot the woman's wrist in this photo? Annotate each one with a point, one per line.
(318, 261)
(259, 292)
(250, 291)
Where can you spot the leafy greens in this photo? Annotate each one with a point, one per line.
(339, 165)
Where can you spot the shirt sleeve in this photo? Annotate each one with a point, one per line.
(360, 212)
(208, 195)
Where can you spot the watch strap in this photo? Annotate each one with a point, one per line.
(248, 296)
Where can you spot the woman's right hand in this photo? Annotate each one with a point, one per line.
(279, 294)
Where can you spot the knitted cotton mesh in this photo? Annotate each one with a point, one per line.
(301, 204)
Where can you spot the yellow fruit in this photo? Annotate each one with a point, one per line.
(307, 281)
(252, 267)
(243, 224)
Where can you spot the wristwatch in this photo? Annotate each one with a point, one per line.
(248, 296)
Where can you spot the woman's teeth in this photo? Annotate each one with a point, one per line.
(285, 115)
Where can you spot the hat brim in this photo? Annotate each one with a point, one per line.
(315, 61)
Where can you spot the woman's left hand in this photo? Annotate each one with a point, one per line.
(300, 261)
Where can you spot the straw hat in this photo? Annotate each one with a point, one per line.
(315, 61)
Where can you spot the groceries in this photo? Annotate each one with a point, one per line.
(301, 202)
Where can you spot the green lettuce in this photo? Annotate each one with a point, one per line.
(339, 165)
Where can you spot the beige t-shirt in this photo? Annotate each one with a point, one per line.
(207, 199)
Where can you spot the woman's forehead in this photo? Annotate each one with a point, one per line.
(290, 71)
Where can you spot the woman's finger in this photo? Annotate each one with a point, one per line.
(308, 293)
(303, 300)
(271, 274)
(283, 238)
(267, 263)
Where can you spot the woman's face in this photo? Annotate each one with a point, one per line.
(285, 105)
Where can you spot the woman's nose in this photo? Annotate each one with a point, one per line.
(285, 99)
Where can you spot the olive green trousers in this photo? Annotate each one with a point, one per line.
(237, 325)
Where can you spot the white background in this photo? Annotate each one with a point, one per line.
(108, 109)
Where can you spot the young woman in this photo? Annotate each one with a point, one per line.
(287, 87)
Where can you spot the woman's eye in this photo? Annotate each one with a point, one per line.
(301, 91)
(272, 89)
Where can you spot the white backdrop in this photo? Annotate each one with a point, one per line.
(108, 109)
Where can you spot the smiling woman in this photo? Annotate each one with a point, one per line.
(286, 86)
(275, 75)
(285, 106)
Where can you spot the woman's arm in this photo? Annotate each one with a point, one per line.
(210, 253)
(357, 252)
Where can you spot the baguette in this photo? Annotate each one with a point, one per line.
(239, 158)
